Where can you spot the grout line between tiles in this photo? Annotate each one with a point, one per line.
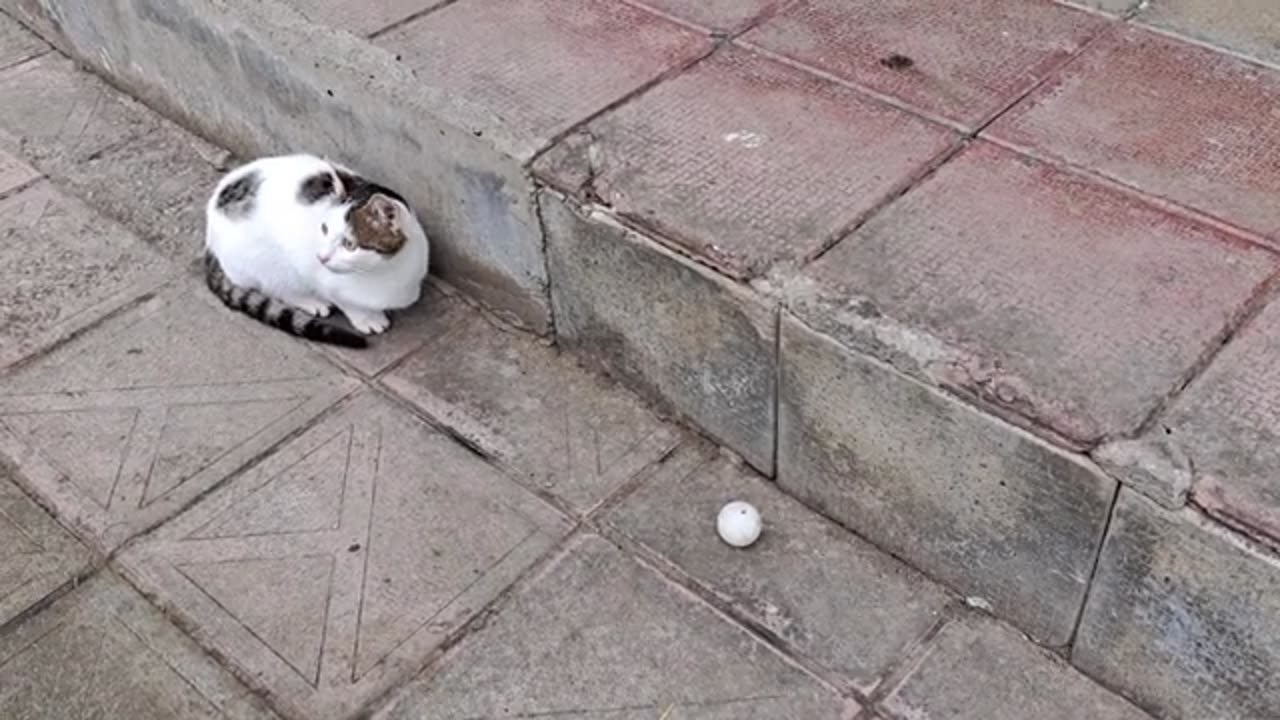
(478, 621)
(409, 19)
(1235, 325)
(638, 92)
(1104, 32)
(1093, 570)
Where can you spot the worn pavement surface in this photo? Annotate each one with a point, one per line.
(201, 517)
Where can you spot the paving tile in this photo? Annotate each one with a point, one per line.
(114, 154)
(978, 669)
(37, 557)
(62, 266)
(102, 652)
(998, 515)
(564, 432)
(1112, 111)
(819, 590)
(1251, 27)
(720, 16)
(17, 44)
(1040, 292)
(156, 185)
(56, 115)
(598, 637)
(362, 18)
(126, 424)
(692, 340)
(965, 69)
(560, 61)
(745, 162)
(1226, 423)
(388, 534)
(1183, 616)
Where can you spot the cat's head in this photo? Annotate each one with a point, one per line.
(362, 236)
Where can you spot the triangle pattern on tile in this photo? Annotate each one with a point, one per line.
(283, 602)
(304, 497)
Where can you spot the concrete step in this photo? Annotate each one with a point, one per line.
(990, 294)
(460, 521)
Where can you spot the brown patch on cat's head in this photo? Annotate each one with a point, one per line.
(376, 224)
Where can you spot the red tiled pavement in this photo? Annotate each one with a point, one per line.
(1227, 424)
(745, 161)
(969, 59)
(727, 16)
(1065, 300)
(1172, 119)
(542, 65)
(363, 17)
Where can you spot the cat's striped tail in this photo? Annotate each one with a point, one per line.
(273, 312)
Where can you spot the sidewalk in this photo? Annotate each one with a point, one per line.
(985, 307)
(334, 542)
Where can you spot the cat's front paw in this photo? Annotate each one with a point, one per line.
(369, 323)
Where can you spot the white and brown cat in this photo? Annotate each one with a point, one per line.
(290, 237)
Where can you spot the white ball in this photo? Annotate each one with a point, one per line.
(739, 523)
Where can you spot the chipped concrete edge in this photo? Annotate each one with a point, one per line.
(258, 77)
(857, 323)
(1155, 467)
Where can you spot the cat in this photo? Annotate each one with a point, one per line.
(289, 237)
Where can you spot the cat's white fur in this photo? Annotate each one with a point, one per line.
(294, 252)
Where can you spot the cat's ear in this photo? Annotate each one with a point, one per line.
(385, 210)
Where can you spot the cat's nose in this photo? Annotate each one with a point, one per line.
(323, 258)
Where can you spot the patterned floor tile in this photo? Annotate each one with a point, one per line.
(102, 653)
(332, 569)
(128, 423)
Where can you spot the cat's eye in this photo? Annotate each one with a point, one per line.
(324, 228)
(349, 244)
